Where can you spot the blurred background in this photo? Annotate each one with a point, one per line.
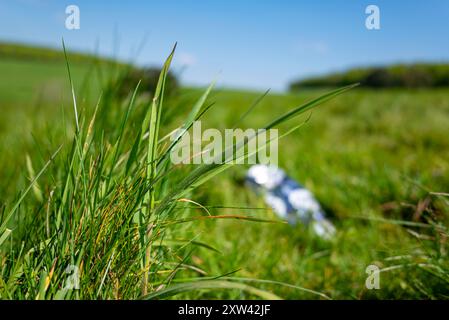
(252, 44)
(377, 158)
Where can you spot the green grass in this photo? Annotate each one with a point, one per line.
(372, 158)
(367, 154)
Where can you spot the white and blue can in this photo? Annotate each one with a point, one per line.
(289, 200)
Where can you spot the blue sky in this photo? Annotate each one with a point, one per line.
(244, 43)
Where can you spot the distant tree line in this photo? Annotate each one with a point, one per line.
(406, 76)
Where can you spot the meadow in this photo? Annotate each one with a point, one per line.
(376, 159)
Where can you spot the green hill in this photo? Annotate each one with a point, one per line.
(27, 52)
(36, 75)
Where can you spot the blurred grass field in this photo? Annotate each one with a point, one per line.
(373, 158)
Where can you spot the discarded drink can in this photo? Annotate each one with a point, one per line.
(289, 199)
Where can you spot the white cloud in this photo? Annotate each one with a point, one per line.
(186, 59)
(316, 47)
